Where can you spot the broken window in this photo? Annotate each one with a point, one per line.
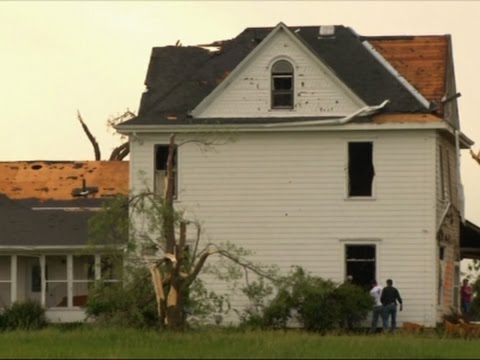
(360, 168)
(56, 281)
(360, 264)
(282, 85)
(161, 156)
(83, 278)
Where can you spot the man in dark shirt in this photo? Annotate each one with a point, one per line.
(389, 298)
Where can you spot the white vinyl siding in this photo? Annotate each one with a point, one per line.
(317, 92)
(282, 195)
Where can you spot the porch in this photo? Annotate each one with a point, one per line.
(59, 281)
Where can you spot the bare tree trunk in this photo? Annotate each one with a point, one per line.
(169, 216)
(92, 139)
(120, 152)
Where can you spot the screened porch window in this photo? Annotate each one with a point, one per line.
(83, 278)
(5, 281)
(55, 280)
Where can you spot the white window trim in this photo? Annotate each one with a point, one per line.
(360, 241)
(294, 81)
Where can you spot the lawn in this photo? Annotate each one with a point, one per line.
(96, 342)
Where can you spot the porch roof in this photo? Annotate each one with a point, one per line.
(469, 240)
(21, 226)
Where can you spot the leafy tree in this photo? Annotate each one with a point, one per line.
(154, 233)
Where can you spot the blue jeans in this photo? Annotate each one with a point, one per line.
(377, 312)
(465, 307)
(390, 310)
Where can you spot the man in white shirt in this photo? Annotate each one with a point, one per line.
(376, 292)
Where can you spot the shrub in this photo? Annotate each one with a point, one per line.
(25, 315)
(131, 304)
(315, 303)
(354, 304)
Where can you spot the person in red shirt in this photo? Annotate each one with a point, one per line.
(466, 296)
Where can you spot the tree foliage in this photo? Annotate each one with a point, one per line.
(154, 235)
(313, 303)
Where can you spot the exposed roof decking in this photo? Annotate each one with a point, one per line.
(55, 180)
(420, 59)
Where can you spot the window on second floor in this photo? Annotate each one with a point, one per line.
(360, 169)
(161, 156)
(282, 85)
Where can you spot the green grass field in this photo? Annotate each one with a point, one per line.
(95, 342)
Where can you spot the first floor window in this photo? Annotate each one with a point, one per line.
(360, 263)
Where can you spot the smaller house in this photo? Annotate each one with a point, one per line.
(44, 251)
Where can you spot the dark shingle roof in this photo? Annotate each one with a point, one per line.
(21, 226)
(51, 186)
(179, 78)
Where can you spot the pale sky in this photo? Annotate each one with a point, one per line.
(57, 57)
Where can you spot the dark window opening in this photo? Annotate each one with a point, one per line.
(442, 173)
(282, 85)
(360, 264)
(36, 278)
(360, 168)
(161, 157)
(441, 253)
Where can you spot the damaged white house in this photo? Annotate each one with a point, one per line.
(345, 158)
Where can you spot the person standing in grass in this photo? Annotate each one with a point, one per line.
(376, 293)
(466, 296)
(389, 298)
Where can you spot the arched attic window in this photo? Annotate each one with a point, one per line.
(282, 85)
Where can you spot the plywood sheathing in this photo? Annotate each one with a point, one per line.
(405, 118)
(422, 60)
(55, 180)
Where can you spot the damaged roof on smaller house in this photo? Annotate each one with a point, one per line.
(49, 203)
(68, 182)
